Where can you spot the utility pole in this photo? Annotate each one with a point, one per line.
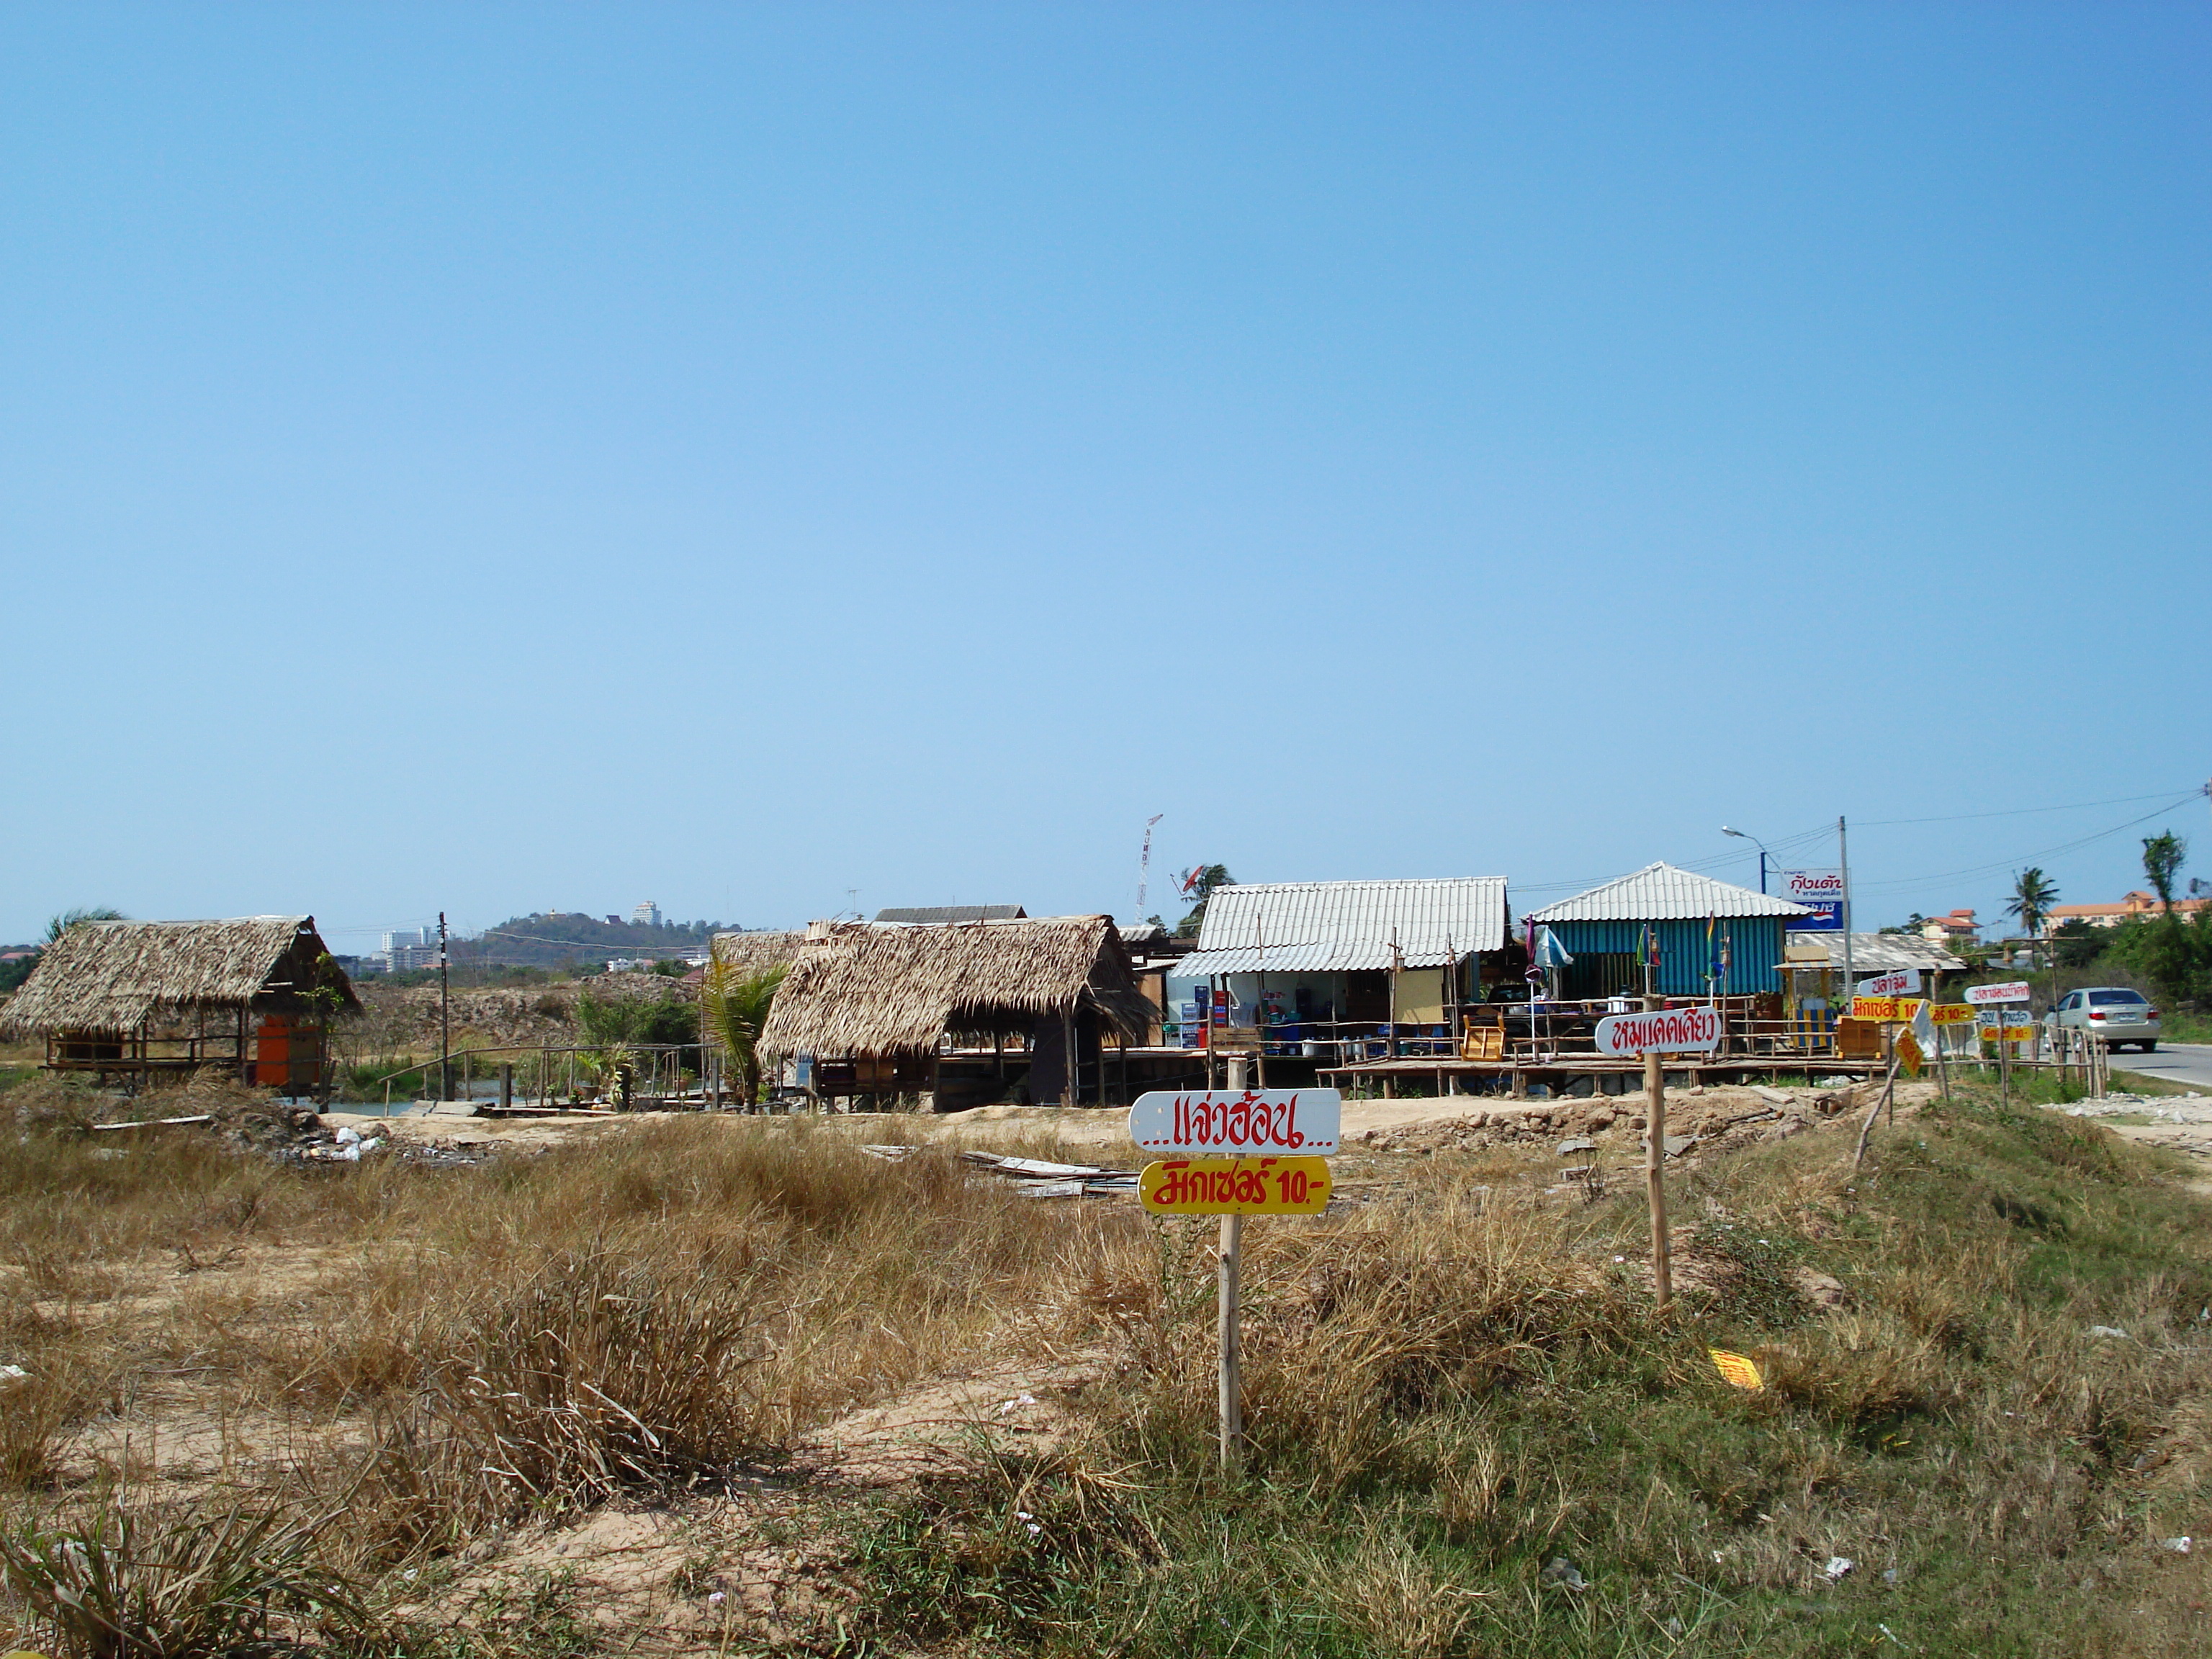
(444, 1018)
(1844, 860)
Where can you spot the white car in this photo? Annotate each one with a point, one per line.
(2116, 1015)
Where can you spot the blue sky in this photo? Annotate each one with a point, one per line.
(765, 459)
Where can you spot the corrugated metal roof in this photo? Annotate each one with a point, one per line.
(1660, 892)
(1334, 927)
(1880, 953)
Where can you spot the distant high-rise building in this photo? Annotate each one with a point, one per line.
(409, 947)
(647, 914)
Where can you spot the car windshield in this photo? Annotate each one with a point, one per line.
(2106, 999)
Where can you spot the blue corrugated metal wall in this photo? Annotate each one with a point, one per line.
(1755, 946)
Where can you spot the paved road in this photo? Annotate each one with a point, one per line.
(2188, 1063)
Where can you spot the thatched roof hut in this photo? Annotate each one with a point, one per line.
(756, 952)
(116, 978)
(859, 989)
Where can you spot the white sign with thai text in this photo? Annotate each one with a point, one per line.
(1904, 982)
(1670, 1030)
(2013, 991)
(1271, 1122)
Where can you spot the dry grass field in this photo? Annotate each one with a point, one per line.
(724, 1385)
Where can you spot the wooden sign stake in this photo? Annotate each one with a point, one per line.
(1655, 1164)
(1232, 1382)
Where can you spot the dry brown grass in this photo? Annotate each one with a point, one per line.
(1442, 1388)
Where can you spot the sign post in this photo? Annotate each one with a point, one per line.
(1982, 996)
(1658, 1030)
(1234, 1153)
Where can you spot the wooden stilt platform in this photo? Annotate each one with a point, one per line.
(1607, 1076)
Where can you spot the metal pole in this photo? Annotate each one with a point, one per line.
(1260, 1011)
(1844, 860)
(444, 1018)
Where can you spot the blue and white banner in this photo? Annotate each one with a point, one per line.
(1823, 890)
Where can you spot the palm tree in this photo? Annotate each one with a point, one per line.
(2162, 858)
(2033, 893)
(734, 1006)
(613, 1026)
(1201, 885)
(61, 924)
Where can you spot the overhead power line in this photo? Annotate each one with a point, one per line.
(2044, 853)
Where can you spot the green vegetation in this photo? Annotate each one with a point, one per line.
(733, 1008)
(554, 941)
(57, 926)
(1462, 1446)
(1201, 888)
(1472, 1435)
(2033, 893)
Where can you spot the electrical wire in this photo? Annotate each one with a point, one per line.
(2044, 853)
(2020, 812)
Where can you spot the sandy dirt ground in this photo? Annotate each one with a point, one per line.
(2181, 1123)
(711, 1572)
(1706, 1117)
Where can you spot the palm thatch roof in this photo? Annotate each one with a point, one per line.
(112, 977)
(756, 953)
(858, 989)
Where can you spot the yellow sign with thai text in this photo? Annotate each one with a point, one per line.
(1953, 1013)
(1235, 1186)
(1886, 1008)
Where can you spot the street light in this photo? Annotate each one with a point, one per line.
(1741, 836)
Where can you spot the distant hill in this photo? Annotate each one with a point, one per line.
(547, 941)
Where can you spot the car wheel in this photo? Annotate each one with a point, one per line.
(2150, 1048)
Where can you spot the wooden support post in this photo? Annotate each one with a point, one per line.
(1228, 1335)
(506, 1082)
(1655, 1167)
(1068, 1087)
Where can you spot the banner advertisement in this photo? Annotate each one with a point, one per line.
(1821, 888)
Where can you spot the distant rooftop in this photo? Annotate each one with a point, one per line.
(942, 913)
(1873, 953)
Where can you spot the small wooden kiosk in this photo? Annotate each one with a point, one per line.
(254, 995)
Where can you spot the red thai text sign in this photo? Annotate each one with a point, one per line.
(1235, 1186)
(1274, 1122)
(1672, 1030)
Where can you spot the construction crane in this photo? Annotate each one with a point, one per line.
(1144, 864)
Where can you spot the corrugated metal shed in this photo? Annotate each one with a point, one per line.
(1880, 953)
(1331, 927)
(1685, 955)
(1660, 892)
